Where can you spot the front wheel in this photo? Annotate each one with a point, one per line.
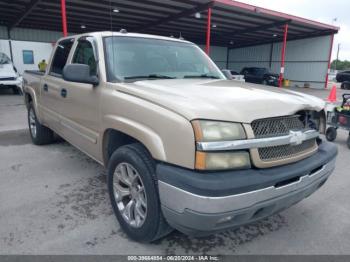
(40, 135)
(331, 133)
(133, 191)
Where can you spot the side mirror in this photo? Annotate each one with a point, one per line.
(79, 73)
(227, 74)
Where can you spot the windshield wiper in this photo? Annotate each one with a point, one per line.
(151, 76)
(202, 76)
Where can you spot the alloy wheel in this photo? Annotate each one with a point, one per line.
(32, 122)
(130, 195)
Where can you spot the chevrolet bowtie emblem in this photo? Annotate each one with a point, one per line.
(296, 137)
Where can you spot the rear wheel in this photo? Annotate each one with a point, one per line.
(133, 191)
(345, 85)
(40, 135)
(331, 133)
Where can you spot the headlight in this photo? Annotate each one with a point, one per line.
(208, 131)
(214, 131)
(220, 161)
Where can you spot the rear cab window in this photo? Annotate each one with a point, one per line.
(60, 57)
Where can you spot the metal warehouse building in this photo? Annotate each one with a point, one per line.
(234, 34)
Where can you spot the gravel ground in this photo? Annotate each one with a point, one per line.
(53, 200)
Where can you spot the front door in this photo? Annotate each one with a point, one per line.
(80, 118)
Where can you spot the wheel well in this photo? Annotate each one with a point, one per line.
(114, 139)
(28, 99)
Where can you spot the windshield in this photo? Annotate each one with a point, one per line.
(134, 58)
(4, 59)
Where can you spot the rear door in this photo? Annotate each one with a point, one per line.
(80, 118)
(51, 85)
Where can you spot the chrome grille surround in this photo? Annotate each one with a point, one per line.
(265, 157)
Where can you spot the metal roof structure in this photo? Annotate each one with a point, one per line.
(233, 24)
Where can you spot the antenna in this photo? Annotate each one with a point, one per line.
(111, 24)
(180, 37)
(110, 15)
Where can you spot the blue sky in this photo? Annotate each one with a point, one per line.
(319, 10)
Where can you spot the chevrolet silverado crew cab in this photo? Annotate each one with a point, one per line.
(184, 147)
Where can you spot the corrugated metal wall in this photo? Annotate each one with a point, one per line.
(218, 54)
(34, 35)
(306, 59)
(3, 32)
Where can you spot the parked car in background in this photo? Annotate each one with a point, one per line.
(237, 76)
(343, 76)
(260, 75)
(233, 75)
(9, 77)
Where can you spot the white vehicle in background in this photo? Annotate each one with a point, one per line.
(9, 77)
(232, 75)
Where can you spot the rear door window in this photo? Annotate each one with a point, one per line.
(60, 57)
(84, 54)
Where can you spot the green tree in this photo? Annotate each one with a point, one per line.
(341, 65)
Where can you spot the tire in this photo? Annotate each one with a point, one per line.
(348, 141)
(331, 133)
(40, 135)
(134, 159)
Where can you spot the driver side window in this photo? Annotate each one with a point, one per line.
(84, 54)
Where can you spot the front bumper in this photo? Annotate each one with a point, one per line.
(17, 82)
(201, 203)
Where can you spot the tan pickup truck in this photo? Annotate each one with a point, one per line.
(184, 147)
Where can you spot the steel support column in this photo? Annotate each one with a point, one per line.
(283, 55)
(64, 17)
(207, 47)
(10, 43)
(329, 61)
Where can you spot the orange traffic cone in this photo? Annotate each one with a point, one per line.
(332, 95)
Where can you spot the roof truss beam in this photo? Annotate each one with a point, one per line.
(259, 28)
(27, 10)
(177, 16)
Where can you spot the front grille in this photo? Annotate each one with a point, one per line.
(277, 126)
(7, 78)
(285, 151)
(280, 126)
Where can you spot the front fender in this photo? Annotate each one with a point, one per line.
(148, 137)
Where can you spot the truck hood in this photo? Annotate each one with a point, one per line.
(225, 100)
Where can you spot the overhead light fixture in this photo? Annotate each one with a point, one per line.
(215, 26)
(232, 42)
(115, 10)
(197, 15)
(274, 35)
(83, 26)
